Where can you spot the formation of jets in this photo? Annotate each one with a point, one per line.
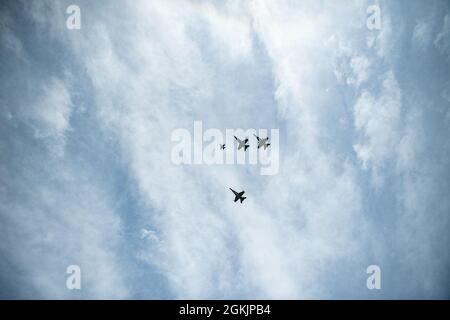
(243, 144)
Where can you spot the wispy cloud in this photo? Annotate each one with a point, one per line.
(356, 152)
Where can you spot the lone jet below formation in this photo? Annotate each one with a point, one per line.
(222, 146)
(242, 143)
(238, 195)
(262, 142)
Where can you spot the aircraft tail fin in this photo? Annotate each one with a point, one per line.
(243, 198)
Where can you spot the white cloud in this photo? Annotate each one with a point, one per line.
(307, 219)
(149, 234)
(230, 29)
(360, 66)
(10, 41)
(52, 110)
(55, 209)
(412, 140)
(422, 34)
(378, 118)
(385, 38)
(60, 218)
(442, 40)
(49, 114)
(8, 38)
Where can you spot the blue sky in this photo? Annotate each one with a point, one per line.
(85, 142)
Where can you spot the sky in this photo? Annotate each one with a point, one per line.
(86, 176)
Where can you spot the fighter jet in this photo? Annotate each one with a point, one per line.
(262, 142)
(238, 195)
(222, 146)
(242, 143)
